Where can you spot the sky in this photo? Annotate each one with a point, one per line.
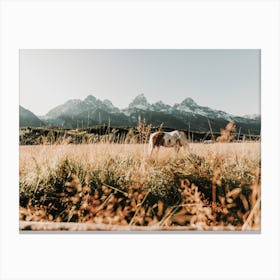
(227, 80)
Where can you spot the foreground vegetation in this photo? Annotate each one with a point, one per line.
(214, 186)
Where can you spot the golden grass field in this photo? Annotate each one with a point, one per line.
(118, 187)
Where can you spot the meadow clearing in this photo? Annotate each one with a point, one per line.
(119, 187)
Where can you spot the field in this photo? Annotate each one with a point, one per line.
(118, 187)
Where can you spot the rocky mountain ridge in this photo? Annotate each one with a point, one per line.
(187, 114)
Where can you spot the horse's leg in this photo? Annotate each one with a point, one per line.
(186, 147)
(151, 149)
(177, 146)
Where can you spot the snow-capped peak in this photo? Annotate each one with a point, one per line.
(110, 107)
(90, 99)
(108, 103)
(252, 116)
(188, 102)
(187, 105)
(140, 102)
(161, 107)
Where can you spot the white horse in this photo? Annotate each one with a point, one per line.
(176, 139)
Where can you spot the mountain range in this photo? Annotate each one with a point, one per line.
(76, 113)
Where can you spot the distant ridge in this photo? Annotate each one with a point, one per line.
(27, 118)
(76, 113)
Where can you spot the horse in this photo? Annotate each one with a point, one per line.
(176, 139)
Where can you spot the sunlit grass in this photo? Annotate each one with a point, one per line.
(118, 184)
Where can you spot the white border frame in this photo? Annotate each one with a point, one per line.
(147, 24)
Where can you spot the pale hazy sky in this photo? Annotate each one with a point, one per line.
(228, 80)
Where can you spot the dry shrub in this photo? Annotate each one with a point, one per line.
(143, 130)
(226, 134)
(130, 137)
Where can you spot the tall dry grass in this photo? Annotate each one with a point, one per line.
(118, 184)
